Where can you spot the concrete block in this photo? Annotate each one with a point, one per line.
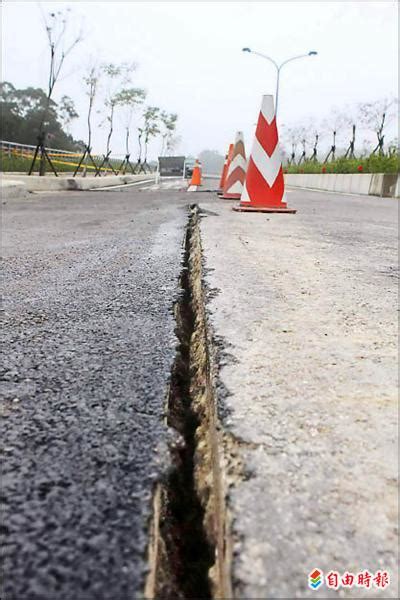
(384, 184)
(389, 183)
(307, 180)
(50, 183)
(11, 188)
(360, 183)
(340, 184)
(329, 182)
(375, 187)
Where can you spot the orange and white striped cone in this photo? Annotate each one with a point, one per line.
(236, 174)
(228, 158)
(196, 177)
(264, 188)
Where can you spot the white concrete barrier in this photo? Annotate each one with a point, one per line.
(360, 183)
(373, 184)
(376, 184)
(65, 183)
(11, 188)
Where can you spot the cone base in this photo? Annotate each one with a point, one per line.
(263, 209)
(230, 196)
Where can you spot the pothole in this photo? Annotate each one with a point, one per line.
(190, 548)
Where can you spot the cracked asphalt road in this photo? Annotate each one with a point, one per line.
(303, 307)
(88, 342)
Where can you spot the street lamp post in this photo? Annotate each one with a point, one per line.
(279, 67)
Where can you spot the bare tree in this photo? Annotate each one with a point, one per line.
(316, 136)
(91, 81)
(140, 131)
(292, 137)
(61, 43)
(352, 144)
(152, 127)
(332, 150)
(311, 134)
(375, 116)
(115, 77)
(129, 100)
(335, 126)
(303, 135)
(149, 129)
(168, 122)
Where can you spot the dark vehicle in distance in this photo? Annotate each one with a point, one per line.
(189, 165)
(171, 166)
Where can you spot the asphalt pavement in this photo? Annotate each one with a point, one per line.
(89, 282)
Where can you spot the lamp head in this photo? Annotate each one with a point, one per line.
(246, 50)
(312, 53)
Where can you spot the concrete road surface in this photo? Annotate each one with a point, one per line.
(305, 308)
(302, 342)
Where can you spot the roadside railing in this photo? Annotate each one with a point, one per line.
(15, 149)
(15, 156)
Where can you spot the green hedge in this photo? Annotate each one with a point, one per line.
(371, 164)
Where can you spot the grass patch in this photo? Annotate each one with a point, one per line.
(21, 164)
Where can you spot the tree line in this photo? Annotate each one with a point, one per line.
(344, 134)
(32, 116)
(22, 111)
(119, 95)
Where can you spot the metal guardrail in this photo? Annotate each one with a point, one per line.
(27, 151)
(69, 157)
(16, 149)
(13, 148)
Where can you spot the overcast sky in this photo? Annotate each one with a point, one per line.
(190, 61)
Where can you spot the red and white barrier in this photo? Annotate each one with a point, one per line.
(233, 186)
(264, 189)
(228, 158)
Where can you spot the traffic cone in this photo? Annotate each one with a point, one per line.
(264, 189)
(228, 158)
(196, 177)
(236, 173)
